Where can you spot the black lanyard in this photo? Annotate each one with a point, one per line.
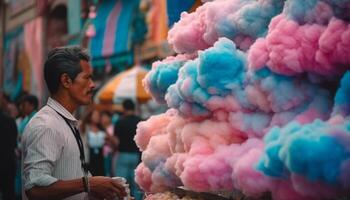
(76, 134)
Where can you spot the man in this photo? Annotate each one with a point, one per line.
(8, 138)
(129, 154)
(53, 159)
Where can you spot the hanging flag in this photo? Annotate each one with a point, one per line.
(112, 28)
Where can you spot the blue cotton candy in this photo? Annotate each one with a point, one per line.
(342, 97)
(221, 68)
(186, 95)
(309, 150)
(161, 77)
(217, 71)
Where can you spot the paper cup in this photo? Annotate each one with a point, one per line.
(123, 182)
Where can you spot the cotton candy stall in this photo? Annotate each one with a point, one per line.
(259, 102)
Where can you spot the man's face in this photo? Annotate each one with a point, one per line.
(82, 87)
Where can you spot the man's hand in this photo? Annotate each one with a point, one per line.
(106, 188)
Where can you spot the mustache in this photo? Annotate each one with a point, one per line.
(93, 91)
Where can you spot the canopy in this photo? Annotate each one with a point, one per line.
(127, 84)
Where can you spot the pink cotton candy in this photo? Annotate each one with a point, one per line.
(155, 125)
(334, 43)
(175, 163)
(174, 129)
(143, 177)
(259, 54)
(207, 173)
(157, 148)
(217, 171)
(186, 35)
(247, 179)
(294, 49)
(209, 132)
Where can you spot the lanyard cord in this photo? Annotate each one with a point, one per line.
(76, 134)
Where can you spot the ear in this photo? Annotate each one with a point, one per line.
(65, 80)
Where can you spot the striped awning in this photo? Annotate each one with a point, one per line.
(125, 85)
(113, 25)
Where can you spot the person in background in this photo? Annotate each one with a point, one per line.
(8, 143)
(128, 153)
(8, 106)
(28, 106)
(53, 160)
(111, 142)
(95, 141)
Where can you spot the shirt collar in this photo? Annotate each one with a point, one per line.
(60, 109)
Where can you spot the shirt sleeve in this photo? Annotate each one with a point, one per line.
(42, 149)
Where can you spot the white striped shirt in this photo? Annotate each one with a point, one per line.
(50, 151)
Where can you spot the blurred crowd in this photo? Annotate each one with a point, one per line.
(107, 137)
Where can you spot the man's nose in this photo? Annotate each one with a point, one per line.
(92, 84)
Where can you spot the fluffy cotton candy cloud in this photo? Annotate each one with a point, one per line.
(292, 49)
(304, 150)
(238, 20)
(163, 74)
(212, 139)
